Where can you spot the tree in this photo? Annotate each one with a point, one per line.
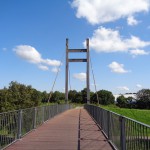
(18, 96)
(5, 105)
(122, 101)
(94, 98)
(106, 97)
(56, 96)
(44, 97)
(78, 97)
(72, 96)
(84, 95)
(143, 99)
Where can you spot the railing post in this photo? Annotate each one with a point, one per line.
(34, 118)
(57, 109)
(19, 124)
(108, 125)
(122, 133)
(43, 112)
(49, 111)
(102, 119)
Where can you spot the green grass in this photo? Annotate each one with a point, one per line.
(136, 114)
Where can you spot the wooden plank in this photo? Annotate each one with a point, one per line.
(77, 50)
(77, 60)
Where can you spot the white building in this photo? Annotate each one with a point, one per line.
(126, 95)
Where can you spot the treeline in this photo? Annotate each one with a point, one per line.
(103, 97)
(20, 96)
(142, 100)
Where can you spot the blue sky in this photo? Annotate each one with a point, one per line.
(33, 34)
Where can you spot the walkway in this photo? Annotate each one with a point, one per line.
(71, 130)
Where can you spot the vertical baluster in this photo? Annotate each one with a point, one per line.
(19, 124)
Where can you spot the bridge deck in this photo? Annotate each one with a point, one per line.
(71, 130)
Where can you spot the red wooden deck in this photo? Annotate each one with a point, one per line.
(71, 130)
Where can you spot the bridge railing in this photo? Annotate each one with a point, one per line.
(123, 133)
(16, 124)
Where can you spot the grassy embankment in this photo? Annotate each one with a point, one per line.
(136, 114)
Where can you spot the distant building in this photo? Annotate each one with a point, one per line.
(126, 95)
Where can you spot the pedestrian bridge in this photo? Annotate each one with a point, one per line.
(61, 127)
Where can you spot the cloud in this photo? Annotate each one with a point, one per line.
(132, 21)
(117, 68)
(30, 54)
(55, 70)
(80, 76)
(137, 52)
(109, 40)
(139, 86)
(44, 68)
(99, 11)
(51, 62)
(124, 88)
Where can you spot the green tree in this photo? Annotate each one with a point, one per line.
(57, 96)
(122, 101)
(106, 97)
(44, 97)
(78, 97)
(5, 105)
(18, 96)
(72, 96)
(84, 95)
(143, 99)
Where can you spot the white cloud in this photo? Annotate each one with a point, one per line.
(80, 76)
(28, 53)
(99, 11)
(124, 88)
(42, 67)
(109, 40)
(31, 55)
(51, 62)
(55, 70)
(139, 86)
(117, 68)
(132, 21)
(138, 52)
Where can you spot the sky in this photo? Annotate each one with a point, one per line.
(33, 41)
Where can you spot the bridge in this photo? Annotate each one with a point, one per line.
(62, 127)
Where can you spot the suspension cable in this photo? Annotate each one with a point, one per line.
(50, 95)
(94, 81)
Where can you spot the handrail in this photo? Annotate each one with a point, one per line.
(18, 123)
(122, 132)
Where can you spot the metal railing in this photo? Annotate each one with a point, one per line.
(123, 133)
(16, 124)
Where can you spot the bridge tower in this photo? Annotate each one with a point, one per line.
(78, 60)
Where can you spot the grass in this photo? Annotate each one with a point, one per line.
(136, 114)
